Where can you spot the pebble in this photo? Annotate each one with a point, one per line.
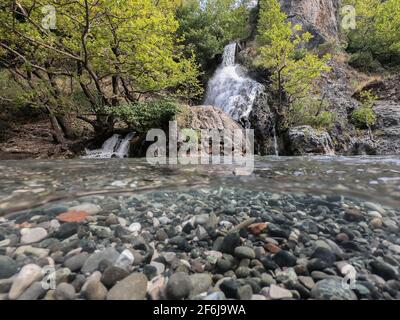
(34, 292)
(76, 262)
(375, 207)
(384, 270)
(135, 227)
(28, 275)
(308, 282)
(331, 289)
(8, 267)
(200, 283)
(33, 235)
(278, 293)
(112, 275)
(92, 262)
(64, 291)
(133, 287)
(95, 290)
(244, 253)
(179, 286)
(89, 208)
(285, 259)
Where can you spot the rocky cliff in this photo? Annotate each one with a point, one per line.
(320, 17)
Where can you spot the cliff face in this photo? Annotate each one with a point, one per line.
(320, 17)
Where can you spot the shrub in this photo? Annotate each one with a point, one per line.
(147, 115)
(365, 116)
(310, 111)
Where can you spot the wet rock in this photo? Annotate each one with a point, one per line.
(73, 216)
(273, 248)
(34, 292)
(376, 223)
(308, 282)
(89, 208)
(67, 230)
(244, 253)
(133, 287)
(278, 293)
(353, 215)
(331, 289)
(257, 228)
(230, 288)
(179, 286)
(76, 262)
(230, 242)
(64, 291)
(245, 292)
(33, 235)
(307, 140)
(325, 255)
(28, 275)
(112, 275)
(384, 270)
(95, 290)
(8, 267)
(285, 259)
(135, 227)
(201, 282)
(92, 262)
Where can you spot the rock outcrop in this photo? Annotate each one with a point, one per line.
(319, 17)
(307, 140)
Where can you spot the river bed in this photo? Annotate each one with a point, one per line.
(297, 228)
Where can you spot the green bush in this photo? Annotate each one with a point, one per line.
(312, 112)
(147, 115)
(365, 116)
(364, 61)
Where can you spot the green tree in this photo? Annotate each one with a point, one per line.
(376, 38)
(282, 50)
(208, 25)
(109, 52)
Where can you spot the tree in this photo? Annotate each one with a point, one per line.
(106, 52)
(376, 38)
(208, 25)
(282, 50)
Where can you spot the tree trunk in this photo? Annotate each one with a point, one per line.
(65, 126)
(57, 131)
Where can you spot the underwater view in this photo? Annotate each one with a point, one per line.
(297, 228)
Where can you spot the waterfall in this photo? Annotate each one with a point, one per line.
(230, 89)
(115, 147)
(276, 146)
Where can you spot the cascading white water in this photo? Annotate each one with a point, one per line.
(115, 147)
(276, 146)
(231, 89)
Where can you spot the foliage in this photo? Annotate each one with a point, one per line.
(365, 117)
(143, 116)
(111, 51)
(282, 50)
(376, 39)
(207, 26)
(310, 111)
